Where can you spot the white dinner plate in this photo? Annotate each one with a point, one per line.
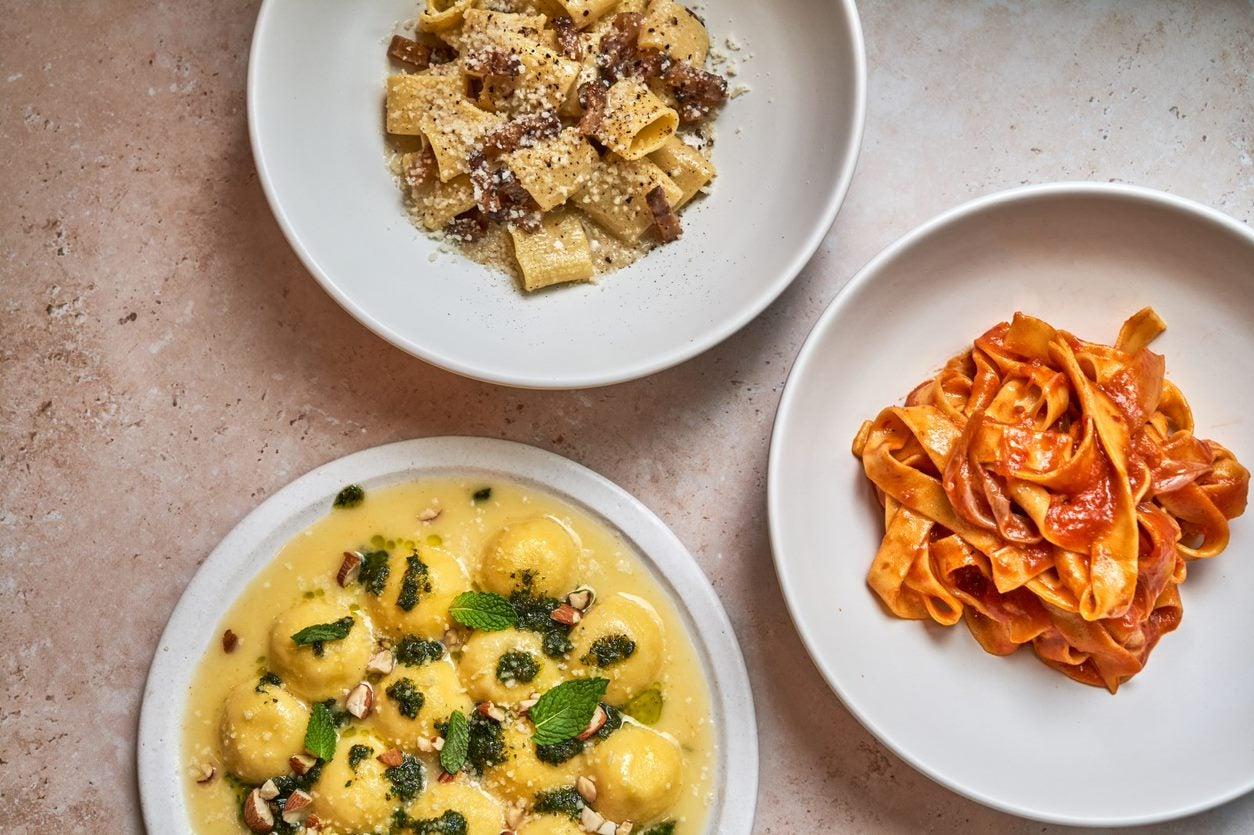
(1010, 732)
(785, 152)
(248, 549)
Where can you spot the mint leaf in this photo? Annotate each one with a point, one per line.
(320, 733)
(456, 743)
(320, 633)
(564, 712)
(483, 610)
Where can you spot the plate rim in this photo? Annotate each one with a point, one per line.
(663, 360)
(161, 790)
(805, 355)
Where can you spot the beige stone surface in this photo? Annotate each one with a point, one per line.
(166, 363)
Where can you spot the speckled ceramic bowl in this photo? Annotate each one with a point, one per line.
(1010, 732)
(785, 153)
(254, 542)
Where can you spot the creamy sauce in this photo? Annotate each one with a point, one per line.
(306, 567)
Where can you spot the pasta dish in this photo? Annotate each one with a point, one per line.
(554, 138)
(1049, 491)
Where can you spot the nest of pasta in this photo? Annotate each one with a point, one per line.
(1049, 491)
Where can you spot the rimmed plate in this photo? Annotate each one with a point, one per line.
(785, 152)
(248, 548)
(1012, 733)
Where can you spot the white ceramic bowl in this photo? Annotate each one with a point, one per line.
(253, 543)
(785, 153)
(1012, 733)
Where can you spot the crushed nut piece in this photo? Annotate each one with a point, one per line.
(566, 614)
(391, 757)
(596, 723)
(589, 820)
(301, 764)
(494, 712)
(257, 814)
(381, 663)
(587, 789)
(297, 806)
(350, 567)
(229, 641)
(360, 700)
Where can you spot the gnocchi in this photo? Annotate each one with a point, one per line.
(425, 717)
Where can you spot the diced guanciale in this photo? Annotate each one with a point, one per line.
(568, 41)
(493, 62)
(664, 217)
(592, 97)
(697, 92)
(413, 53)
(467, 227)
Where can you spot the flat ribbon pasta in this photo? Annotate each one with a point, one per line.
(1049, 491)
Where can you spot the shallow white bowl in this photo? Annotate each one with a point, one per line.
(1012, 733)
(785, 154)
(248, 549)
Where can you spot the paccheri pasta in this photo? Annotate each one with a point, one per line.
(555, 138)
(451, 657)
(1049, 491)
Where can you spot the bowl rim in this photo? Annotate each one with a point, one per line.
(161, 787)
(783, 417)
(663, 360)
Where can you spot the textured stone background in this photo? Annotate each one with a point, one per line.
(165, 362)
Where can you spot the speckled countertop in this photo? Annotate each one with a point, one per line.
(166, 363)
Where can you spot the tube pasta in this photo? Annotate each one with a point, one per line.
(1049, 491)
(685, 165)
(442, 15)
(586, 12)
(552, 170)
(675, 30)
(557, 253)
(636, 122)
(615, 196)
(505, 116)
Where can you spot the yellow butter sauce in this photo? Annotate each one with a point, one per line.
(305, 569)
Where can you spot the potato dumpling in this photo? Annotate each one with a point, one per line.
(356, 795)
(417, 593)
(491, 659)
(550, 825)
(341, 664)
(620, 639)
(539, 554)
(261, 727)
(484, 814)
(522, 775)
(409, 701)
(637, 772)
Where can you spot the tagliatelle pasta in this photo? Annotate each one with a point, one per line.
(1049, 491)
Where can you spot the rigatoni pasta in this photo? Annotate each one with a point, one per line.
(555, 138)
